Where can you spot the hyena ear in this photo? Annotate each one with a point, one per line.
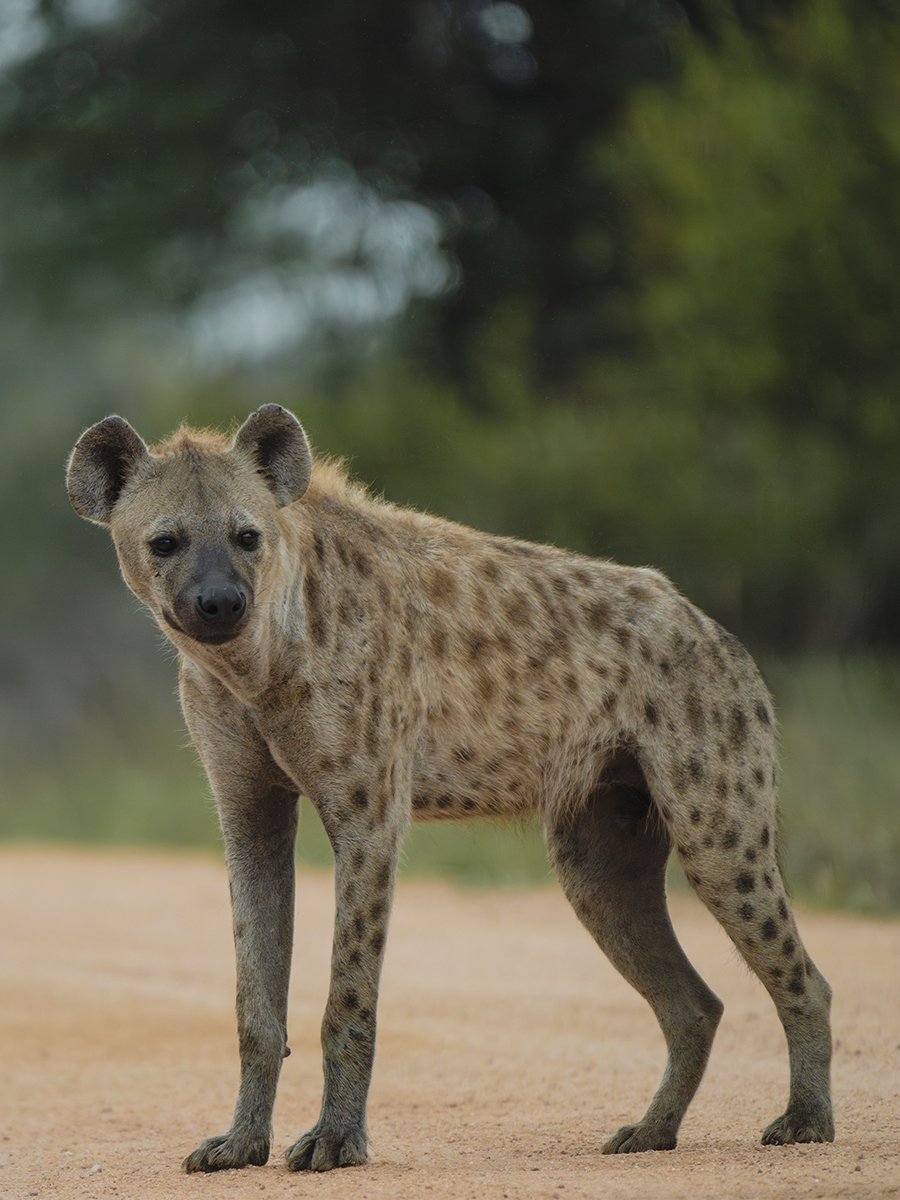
(274, 440)
(104, 457)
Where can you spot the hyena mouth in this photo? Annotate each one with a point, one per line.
(206, 639)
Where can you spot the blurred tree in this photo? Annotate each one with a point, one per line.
(763, 188)
(166, 153)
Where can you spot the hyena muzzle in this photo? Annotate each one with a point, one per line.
(390, 665)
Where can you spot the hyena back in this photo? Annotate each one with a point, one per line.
(390, 665)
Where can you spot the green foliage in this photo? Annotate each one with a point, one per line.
(764, 192)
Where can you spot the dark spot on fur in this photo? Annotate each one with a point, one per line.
(695, 768)
(359, 927)
(758, 777)
(355, 958)
(518, 549)
(730, 840)
(361, 563)
(693, 614)
(709, 841)
(769, 930)
(776, 972)
(695, 714)
(463, 754)
(782, 909)
(313, 597)
(304, 691)
(360, 798)
(722, 788)
(517, 608)
(622, 634)
(468, 805)
(444, 802)
(650, 713)
(597, 614)
(746, 910)
(797, 986)
(376, 912)
(476, 644)
(767, 880)
(558, 643)
(320, 547)
(351, 1000)
(745, 882)
(359, 860)
(377, 942)
(695, 816)
(372, 728)
(765, 837)
(665, 667)
(762, 713)
(788, 946)
(738, 727)
(750, 854)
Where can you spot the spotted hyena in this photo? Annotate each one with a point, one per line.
(391, 665)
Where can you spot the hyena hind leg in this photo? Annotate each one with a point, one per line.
(610, 857)
(733, 868)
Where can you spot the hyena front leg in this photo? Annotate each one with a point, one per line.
(259, 848)
(366, 847)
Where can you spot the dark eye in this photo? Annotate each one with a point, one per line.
(164, 545)
(248, 538)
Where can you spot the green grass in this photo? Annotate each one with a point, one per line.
(839, 789)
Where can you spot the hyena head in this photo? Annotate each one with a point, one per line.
(195, 521)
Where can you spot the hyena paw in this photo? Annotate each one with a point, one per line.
(800, 1125)
(633, 1139)
(324, 1148)
(233, 1149)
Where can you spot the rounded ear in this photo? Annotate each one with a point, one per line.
(104, 457)
(274, 440)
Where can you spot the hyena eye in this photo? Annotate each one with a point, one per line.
(248, 538)
(164, 545)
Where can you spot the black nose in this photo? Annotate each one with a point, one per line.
(221, 604)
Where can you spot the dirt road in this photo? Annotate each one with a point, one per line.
(508, 1047)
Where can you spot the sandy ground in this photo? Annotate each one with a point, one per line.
(508, 1047)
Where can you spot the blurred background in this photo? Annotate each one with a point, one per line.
(622, 275)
